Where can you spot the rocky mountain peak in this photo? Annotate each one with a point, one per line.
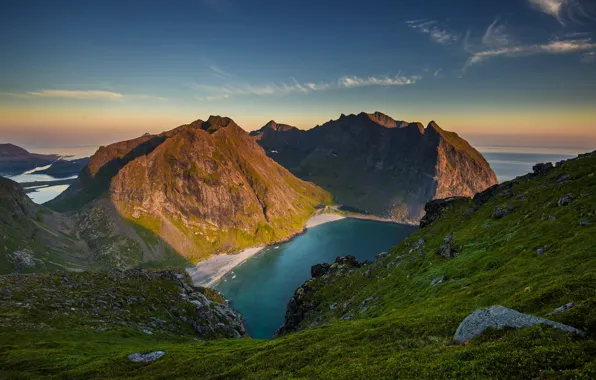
(384, 120)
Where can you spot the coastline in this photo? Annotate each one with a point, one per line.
(209, 272)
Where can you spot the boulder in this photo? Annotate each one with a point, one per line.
(564, 200)
(542, 169)
(319, 270)
(446, 250)
(437, 281)
(146, 358)
(435, 208)
(501, 211)
(349, 261)
(499, 317)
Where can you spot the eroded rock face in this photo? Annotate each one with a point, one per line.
(301, 304)
(202, 188)
(499, 317)
(435, 208)
(403, 164)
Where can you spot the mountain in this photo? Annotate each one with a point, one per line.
(200, 189)
(379, 165)
(16, 160)
(526, 244)
(65, 168)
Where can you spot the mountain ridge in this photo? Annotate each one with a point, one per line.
(377, 164)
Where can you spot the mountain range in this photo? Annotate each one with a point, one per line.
(208, 188)
(378, 165)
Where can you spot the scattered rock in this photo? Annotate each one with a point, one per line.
(319, 270)
(501, 211)
(437, 281)
(499, 317)
(146, 358)
(551, 218)
(381, 255)
(562, 308)
(540, 251)
(565, 200)
(563, 177)
(446, 250)
(584, 223)
(332, 306)
(542, 169)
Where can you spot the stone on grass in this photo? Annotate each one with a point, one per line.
(563, 308)
(564, 200)
(146, 358)
(437, 281)
(499, 317)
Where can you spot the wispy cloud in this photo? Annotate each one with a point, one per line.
(83, 95)
(497, 35)
(566, 10)
(345, 82)
(436, 31)
(69, 94)
(552, 47)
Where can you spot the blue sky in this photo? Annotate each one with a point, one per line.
(502, 71)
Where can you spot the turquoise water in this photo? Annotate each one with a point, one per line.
(261, 287)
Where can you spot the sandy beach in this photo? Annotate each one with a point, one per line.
(207, 273)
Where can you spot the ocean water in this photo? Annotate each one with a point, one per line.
(511, 162)
(262, 286)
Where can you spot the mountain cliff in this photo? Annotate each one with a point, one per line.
(380, 165)
(200, 189)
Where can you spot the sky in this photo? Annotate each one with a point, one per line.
(507, 72)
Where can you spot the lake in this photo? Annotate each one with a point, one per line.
(261, 287)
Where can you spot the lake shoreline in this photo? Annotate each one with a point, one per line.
(209, 272)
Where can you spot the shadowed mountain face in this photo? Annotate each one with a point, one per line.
(16, 160)
(202, 188)
(380, 165)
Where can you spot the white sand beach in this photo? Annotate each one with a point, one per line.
(208, 273)
(319, 219)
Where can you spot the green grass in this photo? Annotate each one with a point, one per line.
(407, 332)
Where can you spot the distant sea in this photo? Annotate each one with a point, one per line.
(509, 162)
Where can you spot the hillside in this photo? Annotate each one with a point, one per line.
(379, 165)
(65, 168)
(526, 244)
(16, 160)
(34, 238)
(200, 189)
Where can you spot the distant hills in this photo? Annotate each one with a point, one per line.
(379, 165)
(16, 160)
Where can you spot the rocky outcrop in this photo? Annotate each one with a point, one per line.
(435, 208)
(380, 165)
(150, 302)
(499, 317)
(301, 305)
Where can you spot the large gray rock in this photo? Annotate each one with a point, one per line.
(146, 358)
(499, 317)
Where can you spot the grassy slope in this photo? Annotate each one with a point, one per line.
(408, 331)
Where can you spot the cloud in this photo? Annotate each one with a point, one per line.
(566, 10)
(82, 95)
(398, 80)
(438, 73)
(345, 82)
(589, 57)
(436, 32)
(552, 47)
(212, 98)
(69, 94)
(496, 35)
